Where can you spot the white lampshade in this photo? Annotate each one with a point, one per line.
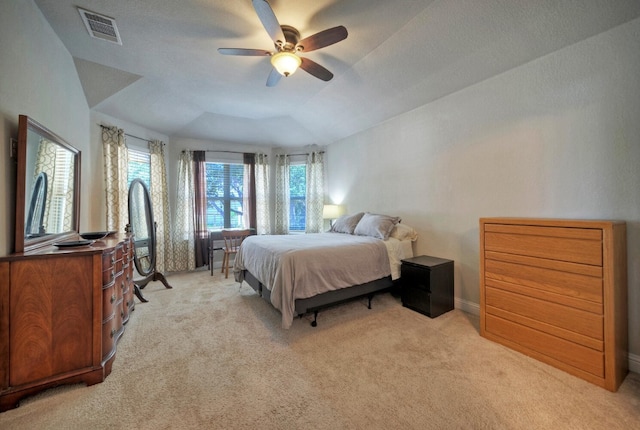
(332, 211)
(286, 63)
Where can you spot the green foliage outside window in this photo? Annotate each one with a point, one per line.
(297, 197)
(224, 195)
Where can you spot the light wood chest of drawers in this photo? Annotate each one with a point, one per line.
(556, 290)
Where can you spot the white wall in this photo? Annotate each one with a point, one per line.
(38, 79)
(557, 137)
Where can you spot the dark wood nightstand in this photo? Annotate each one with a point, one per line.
(427, 285)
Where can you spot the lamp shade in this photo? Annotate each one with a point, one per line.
(332, 211)
(286, 63)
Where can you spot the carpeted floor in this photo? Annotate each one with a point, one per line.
(210, 355)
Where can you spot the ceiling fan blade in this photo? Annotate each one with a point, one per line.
(316, 69)
(269, 20)
(274, 78)
(244, 52)
(323, 38)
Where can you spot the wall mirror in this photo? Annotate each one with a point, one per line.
(47, 187)
(143, 229)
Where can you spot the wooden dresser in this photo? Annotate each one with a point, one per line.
(62, 312)
(556, 290)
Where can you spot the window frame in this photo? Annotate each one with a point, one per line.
(227, 199)
(297, 198)
(138, 155)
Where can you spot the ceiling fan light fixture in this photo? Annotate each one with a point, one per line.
(285, 62)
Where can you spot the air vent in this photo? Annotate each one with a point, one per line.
(100, 26)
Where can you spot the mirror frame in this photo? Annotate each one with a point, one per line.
(21, 243)
(151, 227)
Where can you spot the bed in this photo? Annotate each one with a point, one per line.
(298, 274)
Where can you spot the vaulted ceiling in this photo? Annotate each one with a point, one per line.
(168, 76)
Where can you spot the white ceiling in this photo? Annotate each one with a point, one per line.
(167, 75)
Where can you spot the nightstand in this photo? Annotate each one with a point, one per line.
(427, 285)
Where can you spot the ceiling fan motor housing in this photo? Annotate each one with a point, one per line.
(292, 36)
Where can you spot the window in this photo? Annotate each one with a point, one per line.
(59, 190)
(297, 197)
(139, 167)
(224, 195)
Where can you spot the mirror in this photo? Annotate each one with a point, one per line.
(143, 228)
(49, 174)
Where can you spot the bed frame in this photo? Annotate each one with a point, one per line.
(331, 298)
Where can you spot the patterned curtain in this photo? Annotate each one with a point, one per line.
(263, 220)
(160, 205)
(200, 209)
(315, 192)
(184, 256)
(249, 191)
(115, 177)
(282, 194)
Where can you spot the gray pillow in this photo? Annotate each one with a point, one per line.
(346, 223)
(374, 225)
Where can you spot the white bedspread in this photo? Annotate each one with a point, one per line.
(302, 266)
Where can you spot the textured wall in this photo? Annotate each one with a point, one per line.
(38, 79)
(556, 137)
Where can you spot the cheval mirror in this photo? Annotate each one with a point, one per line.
(143, 228)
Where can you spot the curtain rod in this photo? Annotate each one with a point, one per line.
(131, 135)
(235, 152)
(213, 150)
(306, 153)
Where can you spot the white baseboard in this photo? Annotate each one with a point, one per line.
(474, 308)
(464, 305)
(634, 363)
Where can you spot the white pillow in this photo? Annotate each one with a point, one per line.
(404, 232)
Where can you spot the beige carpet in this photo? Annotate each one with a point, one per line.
(208, 355)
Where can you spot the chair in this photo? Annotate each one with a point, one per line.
(232, 241)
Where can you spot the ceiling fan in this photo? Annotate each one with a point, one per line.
(285, 58)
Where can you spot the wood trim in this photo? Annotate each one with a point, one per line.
(96, 271)
(4, 324)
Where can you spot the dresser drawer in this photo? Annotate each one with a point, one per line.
(109, 332)
(527, 339)
(109, 299)
(569, 323)
(108, 275)
(108, 259)
(416, 277)
(417, 299)
(576, 245)
(561, 283)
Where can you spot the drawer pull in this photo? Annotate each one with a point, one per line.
(113, 298)
(113, 332)
(113, 259)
